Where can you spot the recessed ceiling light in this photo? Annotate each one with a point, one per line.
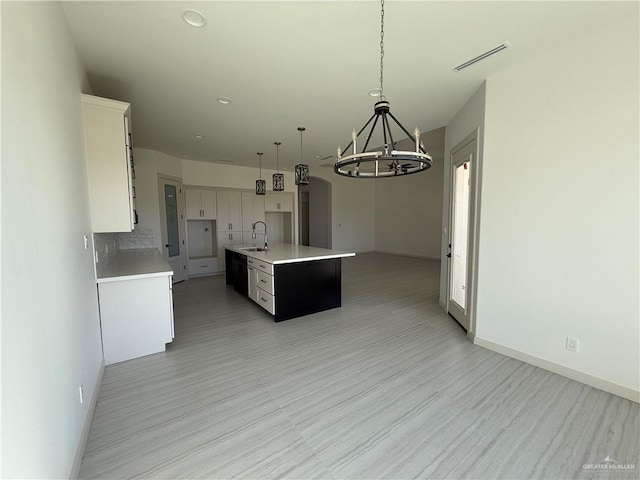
(194, 18)
(199, 136)
(224, 100)
(375, 92)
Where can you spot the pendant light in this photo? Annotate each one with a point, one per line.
(386, 161)
(302, 170)
(261, 185)
(278, 178)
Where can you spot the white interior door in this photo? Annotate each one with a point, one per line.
(172, 225)
(461, 228)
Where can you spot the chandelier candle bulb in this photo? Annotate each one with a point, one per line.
(354, 137)
(416, 132)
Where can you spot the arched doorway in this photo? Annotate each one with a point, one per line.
(314, 203)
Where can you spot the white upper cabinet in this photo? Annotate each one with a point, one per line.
(107, 129)
(229, 211)
(279, 202)
(201, 204)
(252, 209)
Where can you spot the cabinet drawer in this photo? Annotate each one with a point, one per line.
(265, 282)
(260, 266)
(203, 266)
(266, 301)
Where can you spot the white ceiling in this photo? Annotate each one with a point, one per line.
(305, 63)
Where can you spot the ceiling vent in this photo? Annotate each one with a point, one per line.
(482, 56)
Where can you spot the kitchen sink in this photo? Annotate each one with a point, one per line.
(252, 249)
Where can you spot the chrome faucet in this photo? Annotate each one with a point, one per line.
(253, 235)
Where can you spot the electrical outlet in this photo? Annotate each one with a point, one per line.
(81, 392)
(572, 344)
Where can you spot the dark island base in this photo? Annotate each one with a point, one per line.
(303, 288)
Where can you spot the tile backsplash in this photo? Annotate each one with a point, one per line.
(107, 244)
(139, 238)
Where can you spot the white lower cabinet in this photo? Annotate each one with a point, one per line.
(265, 282)
(266, 301)
(261, 285)
(252, 284)
(203, 266)
(136, 317)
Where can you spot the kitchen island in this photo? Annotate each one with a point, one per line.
(287, 280)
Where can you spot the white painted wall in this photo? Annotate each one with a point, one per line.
(352, 202)
(319, 215)
(352, 211)
(559, 248)
(467, 120)
(50, 323)
(408, 210)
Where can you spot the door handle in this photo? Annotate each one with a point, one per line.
(168, 245)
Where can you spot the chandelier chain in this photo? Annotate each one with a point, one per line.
(381, 47)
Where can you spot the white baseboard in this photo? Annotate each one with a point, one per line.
(581, 377)
(425, 257)
(75, 470)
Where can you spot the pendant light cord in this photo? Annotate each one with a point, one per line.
(301, 129)
(381, 49)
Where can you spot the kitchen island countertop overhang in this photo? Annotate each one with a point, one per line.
(279, 253)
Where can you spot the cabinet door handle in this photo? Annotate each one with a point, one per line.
(263, 281)
(230, 236)
(263, 299)
(261, 266)
(231, 226)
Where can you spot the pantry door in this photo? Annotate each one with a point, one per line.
(172, 225)
(461, 231)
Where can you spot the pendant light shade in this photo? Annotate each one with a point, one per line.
(261, 185)
(278, 178)
(302, 170)
(386, 160)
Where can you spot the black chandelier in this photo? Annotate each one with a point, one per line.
(278, 178)
(261, 185)
(387, 161)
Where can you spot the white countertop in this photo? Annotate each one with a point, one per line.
(134, 264)
(279, 253)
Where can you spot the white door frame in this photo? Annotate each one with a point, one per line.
(471, 142)
(180, 275)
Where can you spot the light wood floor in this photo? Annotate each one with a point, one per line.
(385, 387)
